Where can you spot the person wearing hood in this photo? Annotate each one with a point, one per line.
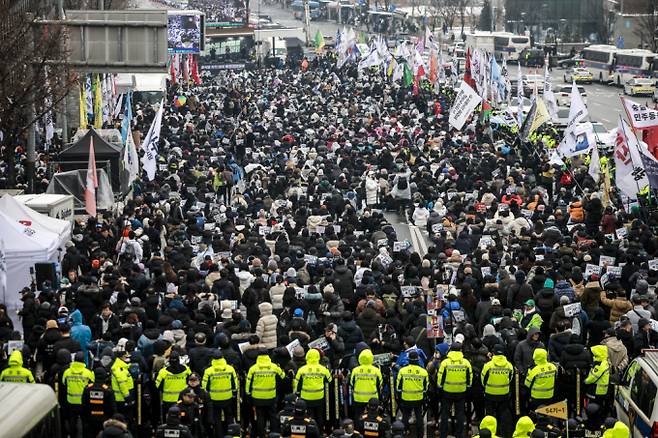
(454, 378)
(599, 376)
(122, 382)
(523, 354)
(310, 382)
(524, 427)
(365, 381)
(220, 380)
(171, 380)
(75, 379)
(489, 424)
(16, 373)
(541, 379)
(497, 377)
(619, 430)
(267, 325)
(80, 332)
(260, 387)
(350, 332)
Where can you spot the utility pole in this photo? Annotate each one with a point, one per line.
(307, 23)
(31, 135)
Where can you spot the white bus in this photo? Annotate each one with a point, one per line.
(600, 60)
(504, 45)
(508, 46)
(631, 63)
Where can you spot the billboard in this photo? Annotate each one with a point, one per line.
(185, 31)
(224, 13)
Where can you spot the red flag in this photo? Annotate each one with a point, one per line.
(195, 70)
(419, 74)
(92, 182)
(433, 66)
(172, 69)
(650, 137)
(467, 70)
(186, 69)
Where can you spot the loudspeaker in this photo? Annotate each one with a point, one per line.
(46, 272)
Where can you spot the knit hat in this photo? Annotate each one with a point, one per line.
(495, 302)
(642, 322)
(51, 324)
(489, 330)
(291, 272)
(271, 265)
(442, 348)
(549, 283)
(641, 286)
(564, 300)
(298, 313)
(298, 352)
(328, 288)
(530, 303)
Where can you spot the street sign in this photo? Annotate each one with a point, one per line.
(556, 410)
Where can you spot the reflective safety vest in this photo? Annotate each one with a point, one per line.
(497, 374)
(96, 409)
(372, 427)
(311, 378)
(15, 372)
(412, 382)
(541, 381)
(365, 380)
(122, 381)
(220, 380)
(261, 379)
(172, 384)
(599, 376)
(76, 378)
(455, 374)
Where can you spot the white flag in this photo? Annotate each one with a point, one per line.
(465, 102)
(519, 95)
(629, 170)
(595, 165)
(549, 97)
(371, 59)
(556, 159)
(131, 159)
(640, 116)
(578, 139)
(149, 160)
(3, 271)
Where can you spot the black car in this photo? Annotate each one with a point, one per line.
(532, 58)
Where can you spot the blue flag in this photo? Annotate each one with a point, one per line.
(127, 119)
(497, 78)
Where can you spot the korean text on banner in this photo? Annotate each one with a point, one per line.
(641, 116)
(465, 103)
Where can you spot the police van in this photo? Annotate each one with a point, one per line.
(635, 398)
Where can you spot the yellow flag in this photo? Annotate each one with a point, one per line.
(556, 410)
(83, 106)
(391, 67)
(98, 103)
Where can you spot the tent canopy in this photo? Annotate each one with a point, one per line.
(76, 156)
(74, 182)
(31, 218)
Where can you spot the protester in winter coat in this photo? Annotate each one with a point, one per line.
(618, 305)
(525, 349)
(266, 326)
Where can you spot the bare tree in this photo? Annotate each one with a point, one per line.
(647, 28)
(462, 5)
(447, 10)
(34, 76)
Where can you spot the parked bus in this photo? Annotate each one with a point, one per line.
(631, 63)
(313, 10)
(29, 410)
(504, 45)
(600, 60)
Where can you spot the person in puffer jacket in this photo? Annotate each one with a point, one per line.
(266, 326)
(276, 295)
(576, 212)
(563, 288)
(80, 332)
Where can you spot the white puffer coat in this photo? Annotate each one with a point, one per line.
(266, 326)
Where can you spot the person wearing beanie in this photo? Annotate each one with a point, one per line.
(98, 404)
(411, 387)
(645, 338)
(46, 345)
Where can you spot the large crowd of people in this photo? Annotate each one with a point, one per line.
(259, 284)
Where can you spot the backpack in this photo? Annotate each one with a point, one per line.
(402, 183)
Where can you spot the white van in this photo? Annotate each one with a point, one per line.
(635, 399)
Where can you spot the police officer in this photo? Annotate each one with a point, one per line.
(173, 427)
(171, 380)
(202, 399)
(75, 379)
(221, 382)
(122, 384)
(261, 387)
(454, 378)
(299, 425)
(365, 382)
(310, 382)
(16, 373)
(372, 423)
(191, 413)
(541, 380)
(411, 387)
(497, 376)
(98, 404)
(599, 377)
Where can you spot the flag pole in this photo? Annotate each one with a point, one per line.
(636, 183)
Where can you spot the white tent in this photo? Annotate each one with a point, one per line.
(25, 243)
(39, 221)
